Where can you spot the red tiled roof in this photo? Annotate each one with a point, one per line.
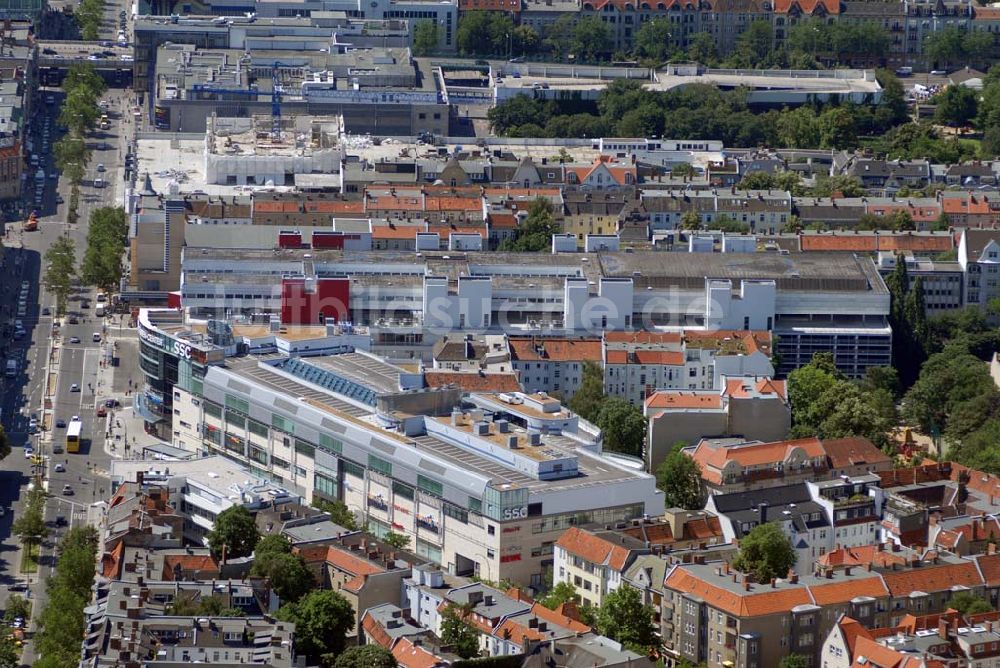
(758, 601)
(642, 337)
(861, 555)
(352, 565)
(525, 349)
(872, 242)
(374, 631)
(989, 565)
(594, 549)
(853, 451)
(409, 655)
(474, 382)
(844, 591)
(189, 563)
(932, 578)
(755, 455)
(852, 629)
(869, 653)
(738, 388)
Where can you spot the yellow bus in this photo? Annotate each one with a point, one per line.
(73, 436)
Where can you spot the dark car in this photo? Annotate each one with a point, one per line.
(17, 586)
(111, 403)
(61, 521)
(49, 52)
(60, 424)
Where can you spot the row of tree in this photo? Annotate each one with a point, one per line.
(83, 87)
(89, 16)
(61, 623)
(626, 108)
(102, 259)
(622, 425)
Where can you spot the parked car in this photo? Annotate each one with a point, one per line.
(74, 388)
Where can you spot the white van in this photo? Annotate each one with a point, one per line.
(99, 310)
(98, 182)
(97, 337)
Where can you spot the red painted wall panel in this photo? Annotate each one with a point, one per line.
(328, 240)
(289, 239)
(330, 299)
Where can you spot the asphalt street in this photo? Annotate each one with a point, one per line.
(44, 351)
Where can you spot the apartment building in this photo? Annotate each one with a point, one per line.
(553, 364)
(744, 409)
(714, 615)
(728, 465)
(636, 364)
(475, 495)
(594, 562)
(943, 283)
(979, 258)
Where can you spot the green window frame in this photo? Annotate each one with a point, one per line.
(307, 449)
(258, 428)
(456, 513)
(198, 387)
(475, 505)
(402, 489)
(350, 468)
(326, 485)
(258, 455)
(236, 420)
(213, 409)
(282, 423)
(430, 485)
(380, 465)
(237, 404)
(279, 463)
(331, 444)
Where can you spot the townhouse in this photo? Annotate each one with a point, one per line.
(594, 562)
(552, 364)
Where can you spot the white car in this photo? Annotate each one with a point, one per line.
(60, 468)
(29, 453)
(100, 167)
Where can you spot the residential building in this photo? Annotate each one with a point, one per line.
(753, 409)
(636, 364)
(488, 353)
(942, 282)
(594, 562)
(552, 364)
(979, 258)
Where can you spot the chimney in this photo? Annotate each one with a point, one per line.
(762, 509)
(943, 628)
(746, 584)
(991, 548)
(774, 583)
(793, 577)
(847, 571)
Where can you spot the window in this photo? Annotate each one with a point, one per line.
(325, 485)
(257, 428)
(352, 469)
(475, 505)
(403, 490)
(279, 463)
(282, 423)
(429, 485)
(331, 444)
(237, 404)
(380, 465)
(304, 448)
(236, 420)
(215, 410)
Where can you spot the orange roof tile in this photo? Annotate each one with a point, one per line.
(659, 357)
(861, 555)
(857, 243)
(738, 388)
(556, 617)
(191, 563)
(409, 655)
(852, 629)
(677, 399)
(986, 13)
(395, 232)
(758, 601)
(474, 382)
(594, 549)
(642, 337)
(853, 451)
(558, 350)
(374, 631)
(932, 578)
(755, 455)
(111, 562)
(352, 565)
(844, 591)
(868, 653)
(989, 565)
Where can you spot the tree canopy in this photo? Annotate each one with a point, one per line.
(366, 656)
(765, 553)
(679, 477)
(457, 632)
(235, 532)
(624, 618)
(287, 572)
(322, 618)
(968, 603)
(623, 426)
(535, 233)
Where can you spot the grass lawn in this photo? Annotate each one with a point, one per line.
(29, 558)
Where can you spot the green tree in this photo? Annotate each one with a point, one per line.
(624, 618)
(846, 186)
(425, 38)
(756, 42)
(679, 477)
(365, 656)
(72, 156)
(559, 37)
(806, 386)
(591, 39)
(535, 235)
(339, 513)
(653, 39)
(702, 49)
(794, 661)
(587, 399)
(234, 533)
(322, 618)
(946, 380)
(562, 592)
(799, 128)
(396, 540)
(458, 633)
(17, 606)
(4, 443)
(683, 170)
(526, 40)
(765, 553)
(60, 268)
(84, 75)
(968, 603)
(838, 129)
(956, 105)
(623, 426)
(106, 239)
(10, 657)
(79, 112)
(286, 572)
(944, 47)
(690, 221)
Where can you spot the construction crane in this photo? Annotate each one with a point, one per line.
(254, 93)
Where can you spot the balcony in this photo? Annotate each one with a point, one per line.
(378, 502)
(427, 524)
